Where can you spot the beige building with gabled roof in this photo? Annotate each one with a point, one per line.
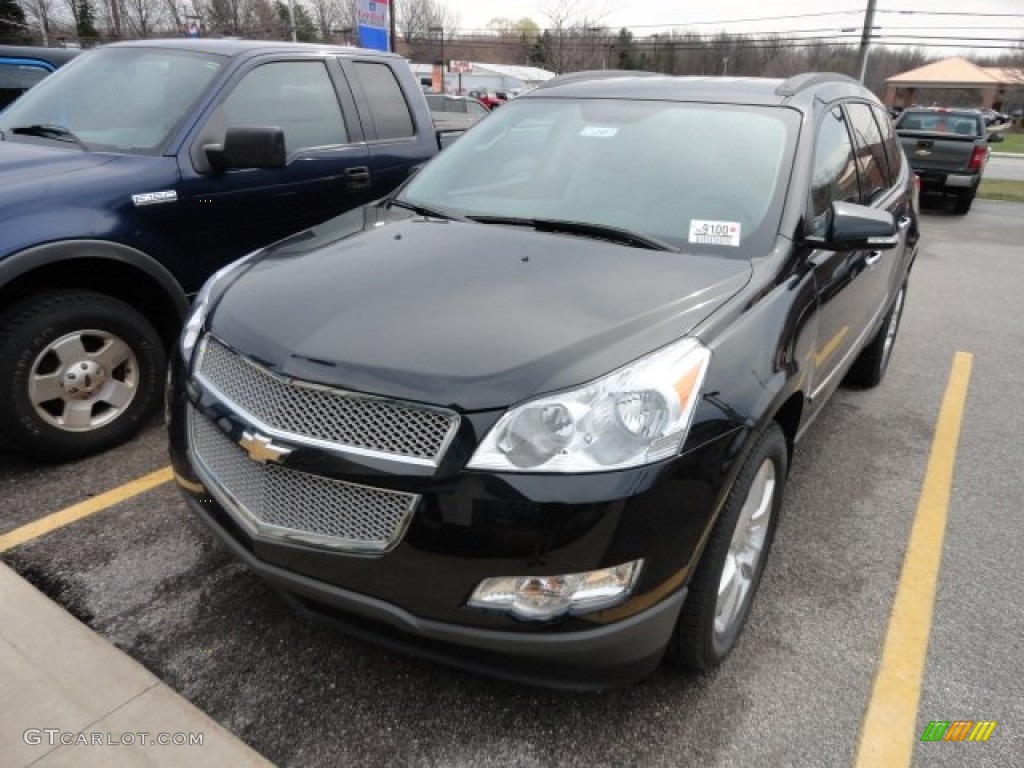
(955, 72)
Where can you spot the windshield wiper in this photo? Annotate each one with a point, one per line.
(422, 210)
(49, 131)
(584, 228)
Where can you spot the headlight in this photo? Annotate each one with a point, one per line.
(636, 415)
(201, 304)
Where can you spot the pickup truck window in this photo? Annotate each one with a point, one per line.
(390, 111)
(16, 77)
(870, 152)
(295, 95)
(834, 176)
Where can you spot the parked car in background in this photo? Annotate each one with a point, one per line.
(21, 67)
(454, 114)
(534, 413)
(130, 176)
(948, 150)
(489, 99)
(992, 117)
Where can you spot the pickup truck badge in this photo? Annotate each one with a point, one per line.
(262, 449)
(152, 198)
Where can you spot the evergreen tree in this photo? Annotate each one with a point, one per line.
(86, 21)
(305, 28)
(12, 22)
(625, 49)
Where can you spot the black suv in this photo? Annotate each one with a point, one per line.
(534, 414)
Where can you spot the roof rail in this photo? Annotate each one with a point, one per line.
(799, 82)
(594, 74)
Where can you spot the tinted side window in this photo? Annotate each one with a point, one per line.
(15, 79)
(893, 150)
(387, 102)
(870, 153)
(834, 176)
(297, 96)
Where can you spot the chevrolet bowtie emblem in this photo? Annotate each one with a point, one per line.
(262, 449)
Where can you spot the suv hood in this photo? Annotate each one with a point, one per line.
(466, 315)
(22, 162)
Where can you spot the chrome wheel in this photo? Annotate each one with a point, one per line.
(891, 327)
(745, 549)
(83, 380)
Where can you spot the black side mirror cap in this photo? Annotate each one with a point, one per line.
(995, 138)
(248, 147)
(855, 227)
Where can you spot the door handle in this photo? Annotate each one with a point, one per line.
(358, 177)
(872, 258)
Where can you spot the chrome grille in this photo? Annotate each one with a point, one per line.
(344, 419)
(283, 503)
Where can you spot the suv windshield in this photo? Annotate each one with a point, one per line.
(669, 171)
(120, 99)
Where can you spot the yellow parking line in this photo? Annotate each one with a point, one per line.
(887, 734)
(84, 509)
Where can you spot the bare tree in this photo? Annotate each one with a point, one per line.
(39, 15)
(140, 17)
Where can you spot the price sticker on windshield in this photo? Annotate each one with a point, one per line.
(708, 232)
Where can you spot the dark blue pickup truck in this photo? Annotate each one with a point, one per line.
(136, 171)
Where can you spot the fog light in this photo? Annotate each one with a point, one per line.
(546, 597)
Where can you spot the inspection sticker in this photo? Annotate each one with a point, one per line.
(715, 232)
(599, 131)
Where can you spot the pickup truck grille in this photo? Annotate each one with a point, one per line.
(304, 410)
(277, 502)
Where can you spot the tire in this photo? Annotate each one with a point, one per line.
(963, 200)
(706, 631)
(80, 372)
(871, 364)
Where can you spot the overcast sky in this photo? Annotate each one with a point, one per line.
(820, 17)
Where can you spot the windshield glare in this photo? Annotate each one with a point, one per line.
(655, 168)
(121, 99)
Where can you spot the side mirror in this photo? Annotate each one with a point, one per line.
(855, 227)
(248, 147)
(995, 138)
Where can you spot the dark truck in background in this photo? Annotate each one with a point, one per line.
(21, 67)
(948, 150)
(136, 171)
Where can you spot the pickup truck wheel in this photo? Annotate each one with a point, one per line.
(964, 198)
(869, 368)
(727, 577)
(80, 372)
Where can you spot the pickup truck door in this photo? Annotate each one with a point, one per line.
(224, 215)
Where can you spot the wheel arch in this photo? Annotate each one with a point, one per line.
(109, 268)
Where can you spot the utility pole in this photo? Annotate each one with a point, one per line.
(291, 19)
(391, 24)
(865, 40)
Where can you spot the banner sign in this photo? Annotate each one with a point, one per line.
(372, 19)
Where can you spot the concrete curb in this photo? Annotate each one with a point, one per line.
(57, 674)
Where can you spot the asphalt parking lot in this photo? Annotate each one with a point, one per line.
(146, 575)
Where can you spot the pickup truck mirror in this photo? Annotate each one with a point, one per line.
(248, 147)
(855, 227)
(995, 138)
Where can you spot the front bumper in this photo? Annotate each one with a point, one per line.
(604, 656)
(468, 526)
